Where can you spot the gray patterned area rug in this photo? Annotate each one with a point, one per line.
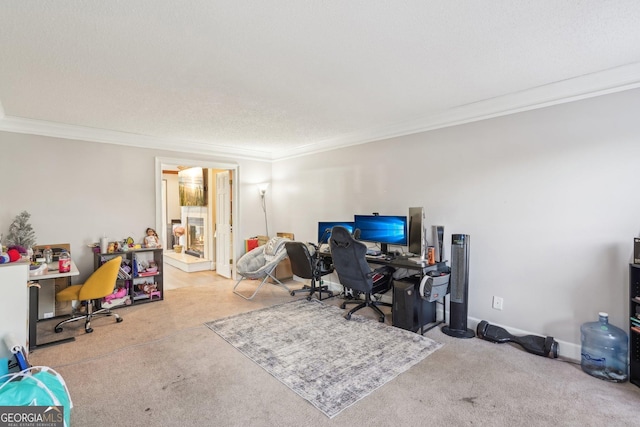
(327, 360)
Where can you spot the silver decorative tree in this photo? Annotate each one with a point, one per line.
(20, 232)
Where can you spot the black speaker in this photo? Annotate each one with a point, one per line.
(459, 282)
(406, 305)
(439, 237)
(416, 231)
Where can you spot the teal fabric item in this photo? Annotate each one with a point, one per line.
(4, 366)
(36, 386)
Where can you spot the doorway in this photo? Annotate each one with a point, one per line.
(223, 257)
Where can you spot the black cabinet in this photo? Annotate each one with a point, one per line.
(139, 278)
(634, 324)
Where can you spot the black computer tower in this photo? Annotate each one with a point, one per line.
(406, 305)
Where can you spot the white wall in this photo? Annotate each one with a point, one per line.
(549, 198)
(76, 190)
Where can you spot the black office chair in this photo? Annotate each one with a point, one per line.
(308, 265)
(349, 261)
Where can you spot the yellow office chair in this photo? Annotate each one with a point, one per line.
(98, 285)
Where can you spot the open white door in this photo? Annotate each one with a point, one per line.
(223, 224)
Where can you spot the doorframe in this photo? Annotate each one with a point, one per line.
(162, 162)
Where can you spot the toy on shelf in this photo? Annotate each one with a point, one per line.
(147, 268)
(117, 298)
(147, 287)
(125, 270)
(119, 293)
(151, 239)
(146, 290)
(12, 255)
(152, 267)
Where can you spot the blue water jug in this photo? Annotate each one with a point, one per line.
(604, 350)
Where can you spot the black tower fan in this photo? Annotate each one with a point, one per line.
(459, 281)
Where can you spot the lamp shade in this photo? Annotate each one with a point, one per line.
(262, 188)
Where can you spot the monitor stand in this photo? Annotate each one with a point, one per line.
(384, 248)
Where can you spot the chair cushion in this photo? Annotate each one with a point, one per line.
(256, 263)
(69, 293)
(251, 262)
(273, 248)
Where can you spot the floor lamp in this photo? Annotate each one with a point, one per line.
(263, 190)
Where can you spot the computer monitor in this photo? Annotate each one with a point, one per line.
(416, 215)
(324, 229)
(383, 229)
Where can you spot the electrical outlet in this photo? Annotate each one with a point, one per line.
(497, 303)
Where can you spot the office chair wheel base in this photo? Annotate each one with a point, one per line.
(119, 319)
(381, 319)
(347, 316)
(343, 306)
(58, 330)
(88, 330)
(293, 293)
(309, 298)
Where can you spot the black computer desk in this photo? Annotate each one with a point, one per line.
(417, 268)
(405, 262)
(398, 261)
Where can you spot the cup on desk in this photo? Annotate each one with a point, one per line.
(431, 255)
(104, 245)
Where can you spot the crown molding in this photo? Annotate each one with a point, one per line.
(587, 86)
(61, 130)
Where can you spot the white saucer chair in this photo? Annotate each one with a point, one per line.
(259, 263)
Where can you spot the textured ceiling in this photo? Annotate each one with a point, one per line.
(273, 78)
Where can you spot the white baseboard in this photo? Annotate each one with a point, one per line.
(566, 350)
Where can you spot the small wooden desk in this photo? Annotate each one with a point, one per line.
(45, 281)
(49, 285)
(52, 272)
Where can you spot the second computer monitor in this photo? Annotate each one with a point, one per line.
(383, 229)
(324, 229)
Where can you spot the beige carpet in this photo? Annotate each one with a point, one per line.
(162, 367)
